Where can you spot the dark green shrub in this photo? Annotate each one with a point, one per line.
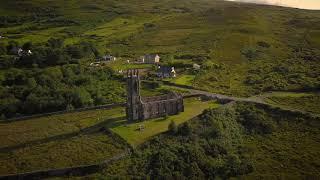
(27, 46)
(3, 49)
(173, 128)
(185, 129)
(255, 121)
(7, 62)
(55, 43)
(250, 53)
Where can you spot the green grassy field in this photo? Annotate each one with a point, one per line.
(132, 135)
(184, 80)
(58, 141)
(80, 150)
(20, 132)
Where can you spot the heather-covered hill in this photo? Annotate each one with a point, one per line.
(243, 48)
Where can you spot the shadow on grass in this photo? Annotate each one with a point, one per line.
(121, 122)
(160, 119)
(87, 130)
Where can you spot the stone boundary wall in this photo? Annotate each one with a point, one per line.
(74, 171)
(178, 85)
(107, 106)
(206, 97)
(192, 95)
(155, 98)
(161, 98)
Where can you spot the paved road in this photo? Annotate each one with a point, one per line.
(221, 97)
(259, 99)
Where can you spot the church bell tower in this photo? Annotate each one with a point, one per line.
(133, 95)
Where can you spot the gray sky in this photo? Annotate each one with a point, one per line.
(302, 4)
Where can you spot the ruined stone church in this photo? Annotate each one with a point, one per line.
(141, 108)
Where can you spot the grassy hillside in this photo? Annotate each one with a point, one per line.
(243, 48)
(241, 140)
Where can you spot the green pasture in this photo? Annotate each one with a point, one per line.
(80, 150)
(184, 79)
(20, 132)
(130, 131)
(122, 64)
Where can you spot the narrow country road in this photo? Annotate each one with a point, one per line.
(258, 99)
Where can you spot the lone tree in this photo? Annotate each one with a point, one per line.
(173, 128)
(27, 46)
(185, 129)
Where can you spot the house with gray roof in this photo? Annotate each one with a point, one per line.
(165, 72)
(108, 58)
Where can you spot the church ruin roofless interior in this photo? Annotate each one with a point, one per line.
(141, 108)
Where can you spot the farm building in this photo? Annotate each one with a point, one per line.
(165, 72)
(108, 58)
(150, 59)
(196, 66)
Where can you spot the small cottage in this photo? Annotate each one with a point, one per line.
(150, 59)
(166, 72)
(16, 51)
(108, 58)
(196, 66)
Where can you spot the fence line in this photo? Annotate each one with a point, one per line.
(75, 170)
(107, 106)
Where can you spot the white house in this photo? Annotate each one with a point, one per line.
(150, 59)
(108, 58)
(196, 66)
(20, 52)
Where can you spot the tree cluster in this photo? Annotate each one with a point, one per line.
(51, 54)
(26, 92)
